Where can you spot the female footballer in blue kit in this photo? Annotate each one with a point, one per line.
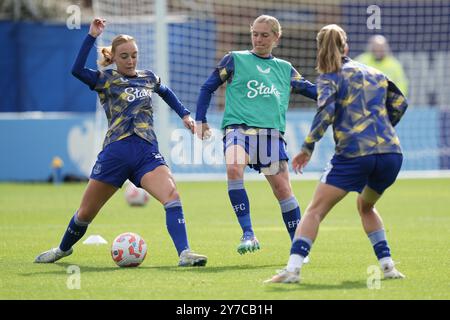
(130, 149)
(254, 122)
(363, 106)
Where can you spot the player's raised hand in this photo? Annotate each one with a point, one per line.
(189, 123)
(203, 131)
(97, 27)
(300, 161)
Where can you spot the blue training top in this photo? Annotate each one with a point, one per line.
(224, 73)
(363, 106)
(126, 100)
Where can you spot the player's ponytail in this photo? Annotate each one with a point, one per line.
(106, 56)
(331, 43)
(107, 53)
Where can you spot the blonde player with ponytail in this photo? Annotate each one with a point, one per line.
(130, 149)
(363, 106)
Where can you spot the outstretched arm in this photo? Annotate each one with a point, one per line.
(88, 76)
(302, 86)
(206, 91)
(221, 73)
(172, 100)
(323, 118)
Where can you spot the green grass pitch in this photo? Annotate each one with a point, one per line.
(34, 216)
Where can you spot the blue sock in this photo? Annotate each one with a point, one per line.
(379, 243)
(239, 201)
(75, 231)
(176, 225)
(301, 246)
(291, 214)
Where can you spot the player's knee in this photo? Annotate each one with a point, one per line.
(235, 172)
(364, 207)
(315, 212)
(173, 195)
(282, 191)
(86, 214)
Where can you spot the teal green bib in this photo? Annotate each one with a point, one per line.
(258, 95)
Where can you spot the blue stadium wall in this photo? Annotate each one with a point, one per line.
(28, 145)
(40, 56)
(36, 69)
(38, 63)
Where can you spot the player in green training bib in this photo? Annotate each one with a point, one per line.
(257, 97)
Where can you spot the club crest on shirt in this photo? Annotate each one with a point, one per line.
(97, 168)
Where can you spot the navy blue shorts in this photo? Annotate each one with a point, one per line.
(129, 158)
(262, 149)
(378, 171)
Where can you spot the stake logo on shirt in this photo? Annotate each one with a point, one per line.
(259, 88)
(136, 93)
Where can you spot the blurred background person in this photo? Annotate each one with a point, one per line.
(379, 56)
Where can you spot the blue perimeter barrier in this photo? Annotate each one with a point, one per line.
(29, 144)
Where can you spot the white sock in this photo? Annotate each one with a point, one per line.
(386, 263)
(295, 262)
